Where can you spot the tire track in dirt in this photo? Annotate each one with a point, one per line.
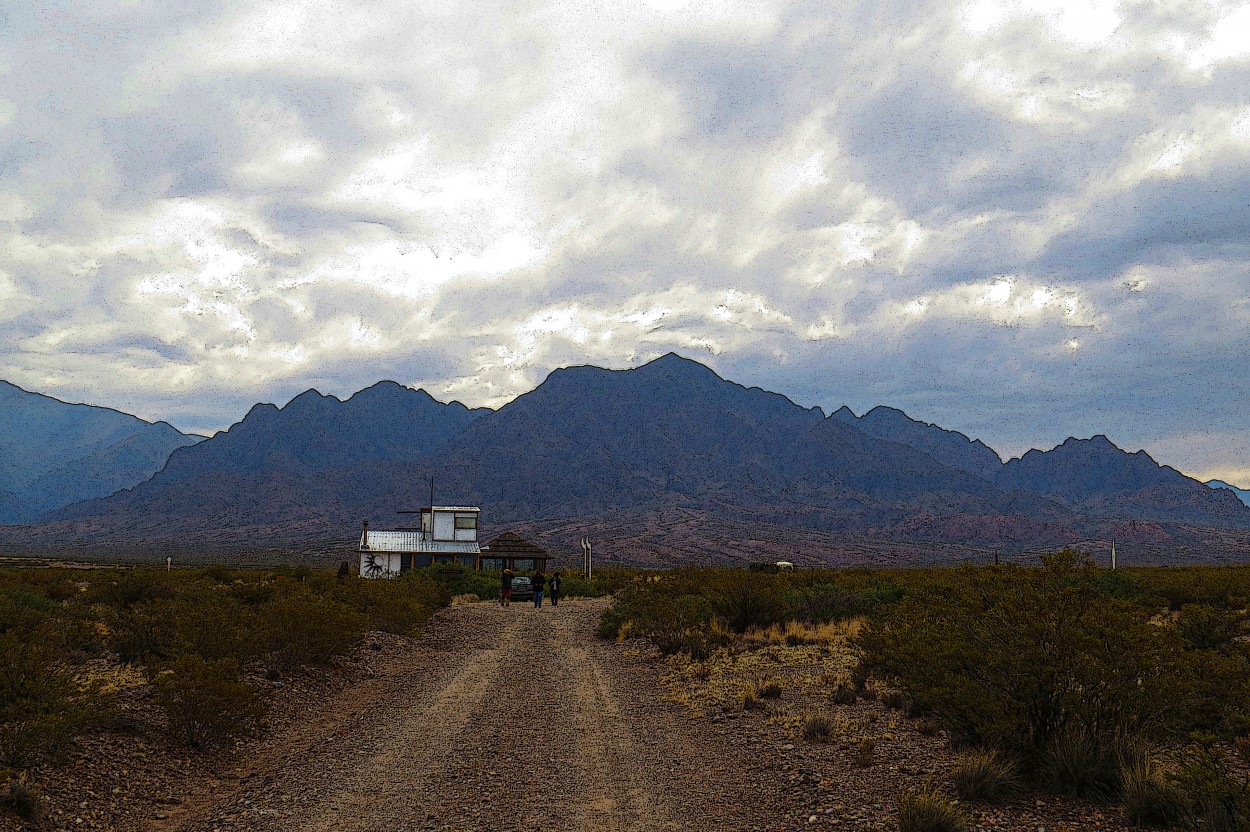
(408, 747)
(616, 800)
(499, 719)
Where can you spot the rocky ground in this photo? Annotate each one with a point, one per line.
(519, 719)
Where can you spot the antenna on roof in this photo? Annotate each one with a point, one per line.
(431, 493)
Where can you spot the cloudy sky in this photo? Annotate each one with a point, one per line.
(1022, 219)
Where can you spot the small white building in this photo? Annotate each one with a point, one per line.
(447, 534)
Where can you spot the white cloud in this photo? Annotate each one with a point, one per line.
(1031, 200)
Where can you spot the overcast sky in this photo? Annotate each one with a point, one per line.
(1023, 220)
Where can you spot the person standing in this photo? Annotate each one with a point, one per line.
(553, 589)
(539, 580)
(505, 588)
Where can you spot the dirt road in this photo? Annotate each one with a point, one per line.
(501, 719)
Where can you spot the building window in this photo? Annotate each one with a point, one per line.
(524, 564)
(421, 560)
(493, 564)
(469, 522)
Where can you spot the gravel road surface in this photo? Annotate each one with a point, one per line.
(502, 719)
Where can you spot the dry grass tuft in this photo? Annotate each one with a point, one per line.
(987, 776)
(844, 694)
(21, 798)
(817, 728)
(1149, 797)
(928, 810)
(865, 752)
(795, 633)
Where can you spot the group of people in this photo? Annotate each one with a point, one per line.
(539, 582)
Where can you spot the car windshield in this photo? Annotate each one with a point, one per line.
(521, 580)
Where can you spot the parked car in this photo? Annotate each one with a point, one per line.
(522, 589)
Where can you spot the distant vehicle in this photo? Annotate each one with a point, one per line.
(522, 589)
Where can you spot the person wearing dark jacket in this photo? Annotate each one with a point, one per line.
(505, 588)
(553, 589)
(539, 580)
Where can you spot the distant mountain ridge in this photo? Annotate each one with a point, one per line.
(53, 453)
(949, 447)
(1242, 493)
(600, 450)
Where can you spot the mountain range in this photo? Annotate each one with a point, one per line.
(1242, 494)
(664, 463)
(53, 453)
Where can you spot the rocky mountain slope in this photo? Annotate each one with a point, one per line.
(53, 453)
(612, 451)
(1242, 493)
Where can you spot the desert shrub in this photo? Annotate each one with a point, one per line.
(395, 606)
(1213, 796)
(610, 623)
(674, 625)
(141, 632)
(215, 626)
(131, 587)
(769, 689)
(928, 810)
(1083, 764)
(844, 694)
(1012, 658)
(573, 585)
(53, 584)
(865, 752)
(827, 602)
(752, 702)
(220, 573)
(253, 592)
(78, 634)
(1209, 628)
(301, 628)
(42, 709)
(1149, 797)
(986, 775)
(22, 799)
(817, 728)
(1217, 586)
(750, 599)
(22, 610)
(206, 702)
(894, 700)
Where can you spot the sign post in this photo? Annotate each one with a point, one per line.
(587, 562)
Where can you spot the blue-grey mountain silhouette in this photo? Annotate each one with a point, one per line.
(1242, 493)
(667, 459)
(53, 453)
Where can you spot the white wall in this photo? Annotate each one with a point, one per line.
(444, 525)
(390, 563)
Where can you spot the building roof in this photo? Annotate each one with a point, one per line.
(512, 545)
(395, 540)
